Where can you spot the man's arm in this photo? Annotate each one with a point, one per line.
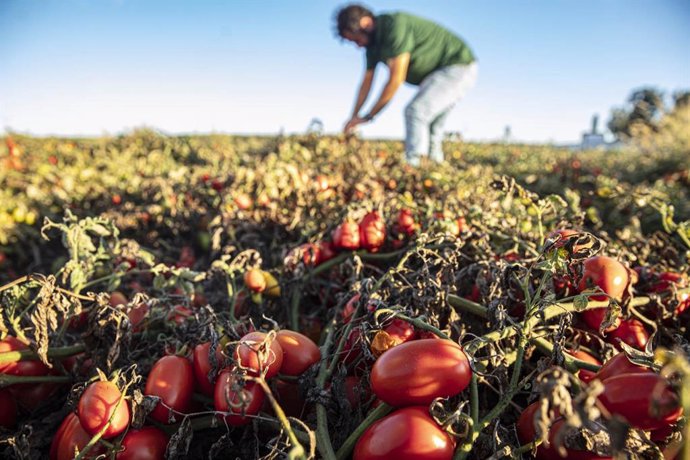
(398, 72)
(363, 91)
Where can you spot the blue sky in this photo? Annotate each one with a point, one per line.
(101, 66)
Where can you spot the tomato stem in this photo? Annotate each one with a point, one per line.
(7, 380)
(28, 355)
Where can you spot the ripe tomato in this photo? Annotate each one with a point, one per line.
(397, 332)
(327, 251)
(619, 364)
(419, 371)
(254, 280)
(632, 332)
(406, 434)
(645, 400)
(350, 307)
(230, 396)
(8, 409)
(71, 437)
(593, 318)
(202, 367)
(148, 443)
(525, 423)
(117, 298)
(346, 236)
(172, 380)
(608, 274)
(584, 374)
(406, 223)
(260, 353)
(299, 352)
(551, 452)
(21, 368)
(137, 315)
(666, 280)
(97, 406)
(372, 231)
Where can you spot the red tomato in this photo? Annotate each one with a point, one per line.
(238, 401)
(172, 380)
(525, 424)
(665, 283)
(618, 365)
(97, 406)
(350, 307)
(372, 231)
(21, 368)
(419, 371)
(346, 236)
(8, 409)
(71, 437)
(243, 201)
(564, 234)
(645, 400)
(632, 332)
(289, 397)
(201, 364)
(400, 331)
(593, 318)
(299, 352)
(148, 443)
(254, 280)
(179, 314)
(406, 223)
(326, 251)
(253, 353)
(608, 274)
(406, 434)
(137, 315)
(584, 374)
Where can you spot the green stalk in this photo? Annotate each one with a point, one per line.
(381, 411)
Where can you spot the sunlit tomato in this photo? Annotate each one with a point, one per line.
(327, 251)
(406, 434)
(8, 409)
(406, 222)
(272, 284)
(606, 273)
(202, 367)
(419, 371)
(259, 352)
(243, 201)
(172, 380)
(99, 404)
(619, 364)
(148, 443)
(397, 332)
(346, 236)
(21, 368)
(667, 280)
(584, 374)
(254, 280)
(372, 231)
(551, 452)
(645, 400)
(308, 253)
(299, 352)
(525, 423)
(71, 437)
(238, 398)
(593, 318)
(632, 332)
(117, 298)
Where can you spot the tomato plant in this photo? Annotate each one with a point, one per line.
(237, 397)
(259, 352)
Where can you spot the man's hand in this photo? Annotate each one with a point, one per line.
(353, 123)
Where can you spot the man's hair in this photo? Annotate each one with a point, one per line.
(348, 17)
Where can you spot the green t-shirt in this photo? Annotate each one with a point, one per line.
(430, 45)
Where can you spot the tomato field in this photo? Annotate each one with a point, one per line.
(315, 297)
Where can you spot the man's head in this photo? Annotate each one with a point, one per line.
(356, 24)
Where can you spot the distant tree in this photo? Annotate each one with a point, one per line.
(645, 106)
(681, 99)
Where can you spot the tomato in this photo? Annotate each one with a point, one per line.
(243, 201)
(564, 237)
(584, 374)
(201, 364)
(237, 400)
(99, 404)
(666, 280)
(29, 368)
(327, 251)
(619, 364)
(137, 315)
(254, 280)
(71, 437)
(372, 231)
(321, 182)
(272, 284)
(8, 409)
(289, 397)
(179, 314)
(406, 222)
(308, 253)
(406, 434)
(609, 275)
(260, 353)
(299, 352)
(593, 318)
(148, 443)
(397, 332)
(346, 236)
(632, 332)
(117, 298)
(172, 380)
(419, 371)
(646, 400)
(525, 424)
(217, 185)
(350, 307)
